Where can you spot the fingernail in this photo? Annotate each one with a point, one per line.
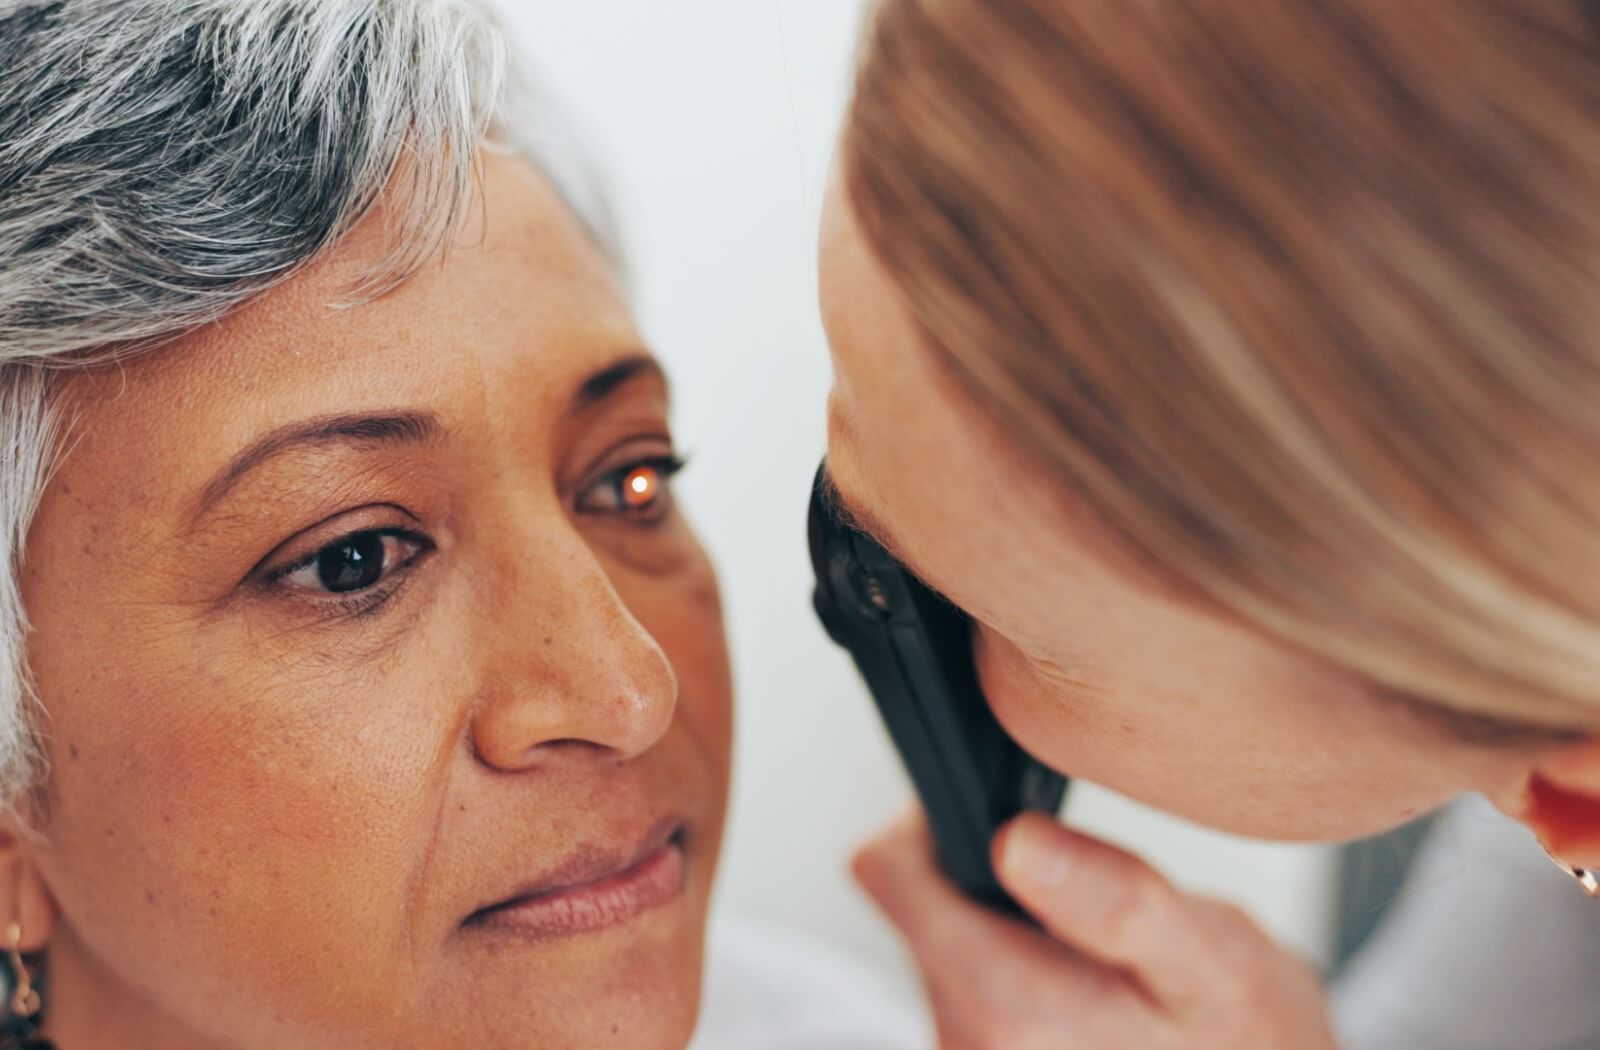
(1037, 855)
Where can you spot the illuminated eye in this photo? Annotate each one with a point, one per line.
(640, 487)
(639, 492)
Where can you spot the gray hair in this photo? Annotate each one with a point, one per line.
(162, 161)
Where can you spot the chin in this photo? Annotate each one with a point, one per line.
(661, 1017)
(636, 986)
(1273, 809)
(649, 1004)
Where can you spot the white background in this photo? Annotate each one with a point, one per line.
(714, 122)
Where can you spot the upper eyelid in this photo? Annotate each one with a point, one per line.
(619, 457)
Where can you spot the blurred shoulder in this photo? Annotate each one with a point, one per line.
(770, 989)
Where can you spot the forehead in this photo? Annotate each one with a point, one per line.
(522, 308)
(880, 364)
(944, 482)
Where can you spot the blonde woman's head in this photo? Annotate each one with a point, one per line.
(1235, 363)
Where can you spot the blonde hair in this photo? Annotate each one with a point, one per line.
(1300, 297)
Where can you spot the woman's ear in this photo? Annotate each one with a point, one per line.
(1559, 799)
(24, 897)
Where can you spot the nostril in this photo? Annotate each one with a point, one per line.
(544, 753)
(570, 744)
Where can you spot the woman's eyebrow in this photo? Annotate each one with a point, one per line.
(363, 429)
(608, 380)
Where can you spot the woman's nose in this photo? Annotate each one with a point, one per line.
(575, 671)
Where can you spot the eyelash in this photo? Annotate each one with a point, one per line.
(356, 604)
(658, 510)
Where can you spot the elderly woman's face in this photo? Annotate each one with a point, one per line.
(386, 690)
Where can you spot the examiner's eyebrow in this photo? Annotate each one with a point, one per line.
(361, 430)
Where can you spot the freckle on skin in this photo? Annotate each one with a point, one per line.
(72, 749)
(149, 896)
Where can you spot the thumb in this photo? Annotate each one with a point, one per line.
(1106, 903)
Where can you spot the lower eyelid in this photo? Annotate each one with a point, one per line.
(370, 602)
(360, 604)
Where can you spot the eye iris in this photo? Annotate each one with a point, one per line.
(351, 565)
(639, 488)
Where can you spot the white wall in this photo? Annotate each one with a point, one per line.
(715, 121)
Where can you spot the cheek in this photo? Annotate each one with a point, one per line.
(217, 826)
(1056, 723)
(1241, 756)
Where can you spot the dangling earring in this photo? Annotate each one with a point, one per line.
(1589, 880)
(22, 1006)
(24, 1000)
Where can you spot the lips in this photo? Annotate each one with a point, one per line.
(599, 886)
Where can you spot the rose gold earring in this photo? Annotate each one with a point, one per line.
(1589, 880)
(20, 1028)
(24, 997)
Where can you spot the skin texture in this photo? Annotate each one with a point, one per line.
(1105, 673)
(269, 813)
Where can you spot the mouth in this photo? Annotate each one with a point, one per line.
(598, 887)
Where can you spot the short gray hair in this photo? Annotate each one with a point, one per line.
(162, 161)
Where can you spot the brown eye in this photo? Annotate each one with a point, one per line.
(354, 563)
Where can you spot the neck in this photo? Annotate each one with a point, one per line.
(87, 1007)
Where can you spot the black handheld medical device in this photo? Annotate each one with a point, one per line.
(914, 648)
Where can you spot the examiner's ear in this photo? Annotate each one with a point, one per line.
(24, 898)
(1560, 800)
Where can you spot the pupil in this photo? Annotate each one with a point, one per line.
(639, 488)
(352, 565)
